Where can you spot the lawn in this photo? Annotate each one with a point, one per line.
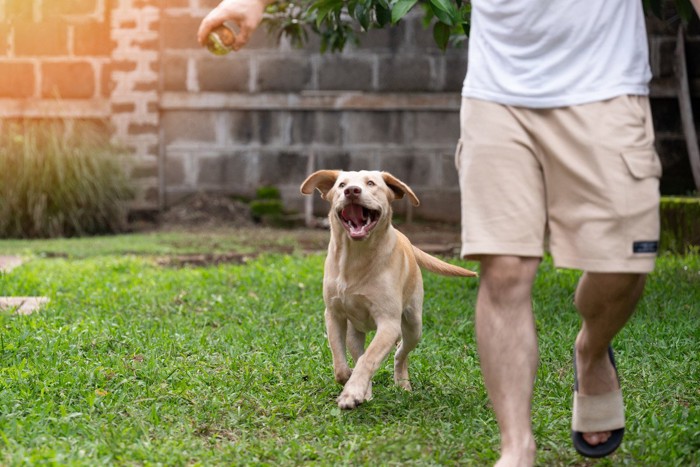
(143, 359)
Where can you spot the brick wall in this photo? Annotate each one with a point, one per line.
(134, 98)
(192, 121)
(46, 64)
(91, 60)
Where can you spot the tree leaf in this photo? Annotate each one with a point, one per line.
(441, 34)
(400, 9)
(362, 15)
(444, 5)
(383, 15)
(444, 11)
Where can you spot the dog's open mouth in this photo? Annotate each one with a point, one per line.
(358, 220)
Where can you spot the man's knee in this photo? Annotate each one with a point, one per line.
(507, 277)
(614, 285)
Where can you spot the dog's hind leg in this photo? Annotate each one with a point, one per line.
(356, 342)
(411, 330)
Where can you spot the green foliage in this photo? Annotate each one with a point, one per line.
(341, 22)
(680, 224)
(683, 8)
(59, 179)
(267, 207)
(267, 192)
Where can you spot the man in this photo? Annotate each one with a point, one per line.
(556, 143)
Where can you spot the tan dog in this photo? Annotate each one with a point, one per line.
(372, 278)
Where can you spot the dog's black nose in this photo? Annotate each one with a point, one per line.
(353, 191)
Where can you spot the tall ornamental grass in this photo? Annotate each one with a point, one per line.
(60, 179)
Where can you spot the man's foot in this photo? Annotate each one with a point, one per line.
(598, 419)
(522, 457)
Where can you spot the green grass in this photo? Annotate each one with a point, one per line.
(133, 363)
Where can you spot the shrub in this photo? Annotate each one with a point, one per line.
(60, 179)
(680, 224)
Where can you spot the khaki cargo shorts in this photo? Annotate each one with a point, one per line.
(582, 181)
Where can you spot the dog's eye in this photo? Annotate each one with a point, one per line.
(370, 183)
(341, 185)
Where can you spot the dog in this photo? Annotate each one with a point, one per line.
(372, 278)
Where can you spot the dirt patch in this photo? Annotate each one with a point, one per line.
(207, 210)
(201, 260)
(213, 215)
(436, 238)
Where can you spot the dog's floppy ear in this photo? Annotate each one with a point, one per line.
(400, 188)
(322, 180)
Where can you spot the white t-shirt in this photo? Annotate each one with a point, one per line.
(554, 53)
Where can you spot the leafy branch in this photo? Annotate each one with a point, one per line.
(340, 22)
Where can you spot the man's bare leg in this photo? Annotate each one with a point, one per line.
(507, 342)
(605, 302)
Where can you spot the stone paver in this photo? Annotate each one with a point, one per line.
(8, 263)
(22, 305)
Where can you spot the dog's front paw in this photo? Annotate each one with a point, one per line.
(352, 397)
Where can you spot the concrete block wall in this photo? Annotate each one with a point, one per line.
(255, 117)
(670, 141)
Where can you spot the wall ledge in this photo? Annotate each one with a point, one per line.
(311, 100)
(52, 108)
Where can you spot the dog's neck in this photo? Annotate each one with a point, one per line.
(349, 253)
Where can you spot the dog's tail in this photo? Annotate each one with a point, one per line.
(437, 266)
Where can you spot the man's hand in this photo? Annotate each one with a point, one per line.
(246, 14)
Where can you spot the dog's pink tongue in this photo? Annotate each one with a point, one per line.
(353, 213)
(354, 221)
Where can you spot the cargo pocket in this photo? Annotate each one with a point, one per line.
(642, 163)
(642, 200)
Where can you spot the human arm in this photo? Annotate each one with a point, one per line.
(246, 14)
(696, 5)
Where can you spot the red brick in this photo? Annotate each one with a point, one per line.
(45, 38)
(19, 10)
(4, 34)
(68, 80)
(16, 79)
(146, 86)
(128, 24)
(142, 129)
(145, 3)
(180, 32)
(123, 108)
(92, 38)
(68, 7)
(121, 65)
(148, 45)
